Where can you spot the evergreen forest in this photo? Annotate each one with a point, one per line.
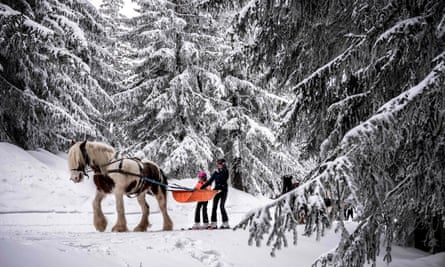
(347, 97)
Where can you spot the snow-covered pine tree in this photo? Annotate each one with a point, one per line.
(112, 49)
(369, 82)
(50, 58)
(256, 150)
(168, 106)
(118, 62)
(111, 9)
(190, 101)
(247, 134)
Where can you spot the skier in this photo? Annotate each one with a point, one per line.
(221, 177)
(202, 205)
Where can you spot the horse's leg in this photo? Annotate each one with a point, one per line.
(162, 201)
(144, 223)
(100, 222)
(121, 224)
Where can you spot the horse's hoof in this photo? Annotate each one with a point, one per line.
(100, 229)
(100, 225)
(169, 228)
(140, 229)
(119, 228)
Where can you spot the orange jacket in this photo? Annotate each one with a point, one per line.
(200, 183)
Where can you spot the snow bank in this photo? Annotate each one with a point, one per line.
(46, 220)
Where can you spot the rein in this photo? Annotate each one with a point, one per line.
(169, 187)
(172, 187)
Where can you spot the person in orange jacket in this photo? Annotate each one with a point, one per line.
(202, 176)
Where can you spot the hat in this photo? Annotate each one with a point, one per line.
(202, 174)
(221, 161)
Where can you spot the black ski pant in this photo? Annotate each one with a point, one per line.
(221, 196)
(201, 206)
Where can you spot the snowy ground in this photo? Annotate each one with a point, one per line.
(46, 220)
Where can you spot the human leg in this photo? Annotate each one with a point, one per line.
(216, 200)
(198, 213)
(205, 216)
(222, 207)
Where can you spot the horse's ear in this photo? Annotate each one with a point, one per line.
(72, 142)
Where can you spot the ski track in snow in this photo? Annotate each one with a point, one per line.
(30, 228)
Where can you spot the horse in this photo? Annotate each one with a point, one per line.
(118, 176)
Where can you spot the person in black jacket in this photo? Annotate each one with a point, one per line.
(221, 177)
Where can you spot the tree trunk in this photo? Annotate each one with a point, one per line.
(237, 181)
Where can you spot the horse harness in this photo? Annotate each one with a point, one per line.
(105, 183)
(136, 187)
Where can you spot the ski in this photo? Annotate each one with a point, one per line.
(203, 229)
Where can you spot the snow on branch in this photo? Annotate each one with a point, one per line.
(54, 111)
(73, 28)
(42, 30)
(245, 11)
(281, 216)
(341, 176)
(63, 53)
(342, 104)
(291, 113)
(440, 31)
(330, 66)
(401, 28)
(7, 11)
(390, 110)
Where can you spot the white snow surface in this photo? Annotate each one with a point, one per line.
(46, 220)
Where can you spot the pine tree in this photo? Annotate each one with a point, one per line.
(112, 20)
(190, 101)
(111, 8)
(171, 87)
(51, 64)
(118, 63)
(369, 84)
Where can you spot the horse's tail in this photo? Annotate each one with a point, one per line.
(164, 181)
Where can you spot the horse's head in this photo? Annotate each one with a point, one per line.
(88, 154)
(77, 163)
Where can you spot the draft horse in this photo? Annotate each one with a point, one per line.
(120, 177)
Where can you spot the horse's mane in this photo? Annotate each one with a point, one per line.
(75, 156)
(98, 152)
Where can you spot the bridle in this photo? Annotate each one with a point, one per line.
(82, 167)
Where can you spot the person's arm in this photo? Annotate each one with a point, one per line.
(198, 185)
(226, 175)
(209, 182)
